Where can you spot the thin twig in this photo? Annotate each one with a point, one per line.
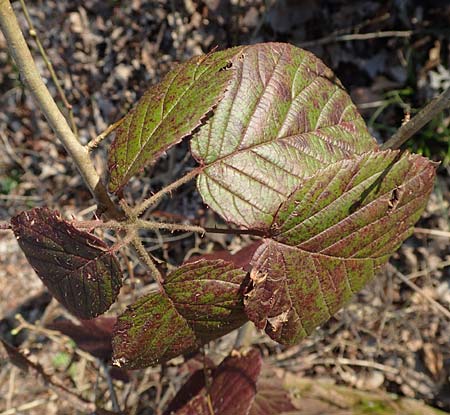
(97, 140)
(356, 36)
(418, 290)
(424, 116)
(30, 76)
(432, 232)
(153, 200)
(29, 405)
(33, 33)
(356, 362)
(112, 391)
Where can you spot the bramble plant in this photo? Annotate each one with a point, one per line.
(283, 155)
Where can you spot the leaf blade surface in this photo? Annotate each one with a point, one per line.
(77, 267)
(168, 112)
(283, 117)
(330, 236)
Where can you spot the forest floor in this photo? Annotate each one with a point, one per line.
(392, 57)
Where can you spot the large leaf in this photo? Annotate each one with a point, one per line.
(331, 235)
(167, 112)
(203, 300)
(232, 390)
(283, 118)
(78, 269)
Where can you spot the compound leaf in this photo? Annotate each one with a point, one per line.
(78, 268)
(331, 235)
(284, 116)
(203, 300)
(168, 112)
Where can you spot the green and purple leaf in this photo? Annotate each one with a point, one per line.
(78, 269)
(284, 116)
(330, 236)
(168, 112)
(203, 300)
(150, 332)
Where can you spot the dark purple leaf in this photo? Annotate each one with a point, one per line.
(233, 387)
(203, 300)
(272, 398)
(93, 336)
(331, 235)
(168, 112)
(78, 268)
(283, 118)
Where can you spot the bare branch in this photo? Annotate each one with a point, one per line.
(424, 116)
(31, 78)
(50, 68)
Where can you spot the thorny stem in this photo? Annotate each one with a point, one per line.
(145, 256)
(424, 116)
(143, 224)
(153, 200)
(33, 33)
(97, 140)
(31, 78)
(153, 225)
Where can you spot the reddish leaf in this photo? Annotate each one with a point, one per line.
(77, 267)
(92, 336)
(233, 387)
(168, 112)
(202, 301)
(283, 118)
(271, 398)
(331, 235)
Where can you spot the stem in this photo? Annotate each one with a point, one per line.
(424, 116)
(32, 31)
(112, 391)
(253, 232)
(144, 224)
(97, 140)
(153, 200)
(31, 78)
(137, 243)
